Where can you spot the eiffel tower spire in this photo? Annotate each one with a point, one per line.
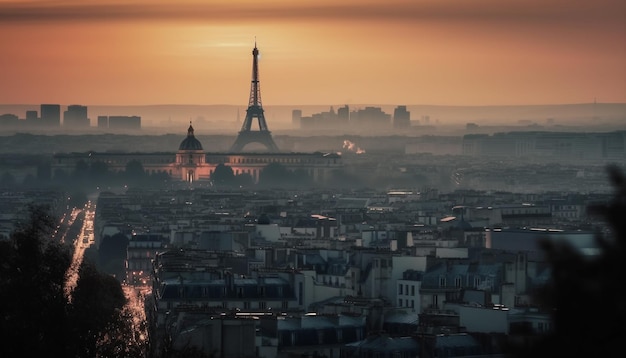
(254, 111)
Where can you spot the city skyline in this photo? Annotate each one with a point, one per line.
(442, 52)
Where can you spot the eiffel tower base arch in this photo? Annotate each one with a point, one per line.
(246, 137)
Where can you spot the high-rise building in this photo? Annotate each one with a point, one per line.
(51, 115)
(296, 117)
(401, 117)
(343, 115)
(370, 117)
(103, 121)
(8, 120)
(31, 116)
(125, 122)
(76, 117)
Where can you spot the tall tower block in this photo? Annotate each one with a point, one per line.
(255, 111)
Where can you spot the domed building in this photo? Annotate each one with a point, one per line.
(192, 164)
(191, 160)
(190, 143)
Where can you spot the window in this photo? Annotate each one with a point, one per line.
(399, 302)
(246, 305)
(412, 290)
(400, 289)
(442, 282)
(262, 305)
(457, 282)
(476, 281)
(285, 305)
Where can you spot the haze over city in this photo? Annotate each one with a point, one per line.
(441, 178)
(444, 52)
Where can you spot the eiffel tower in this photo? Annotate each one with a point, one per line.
(255, 110)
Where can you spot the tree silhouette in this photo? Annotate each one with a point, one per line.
(29, 181)
(81, 170)
(99, 173)
(303, 178)
(159, 179)
(60, 176)
(112, 255)
(96, 303)
(588, 310)
(339, 178)
(37, 319)
(32, 281)
(134, 171)
(275, 175)
(223, 175)
(7, 180)
(244, 180)
(44, 171)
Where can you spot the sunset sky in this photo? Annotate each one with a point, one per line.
(440, 52)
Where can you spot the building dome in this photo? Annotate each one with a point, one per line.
(190, 143)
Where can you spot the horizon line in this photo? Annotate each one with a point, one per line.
(316, 105)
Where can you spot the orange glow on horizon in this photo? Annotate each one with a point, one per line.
(313, 52)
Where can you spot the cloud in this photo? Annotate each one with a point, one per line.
(350, 10)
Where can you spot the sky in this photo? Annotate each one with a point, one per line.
(313, 52)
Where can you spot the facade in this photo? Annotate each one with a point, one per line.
(190, 163)
(528, 239)
(125, 122)
(372, 117)
(588, 146)
(318, 336)
(296, 116)
(141, 250)
(103, 122)
(31, 116)
(76, 117)
(401, 117)
(51, 115)
(409, 290)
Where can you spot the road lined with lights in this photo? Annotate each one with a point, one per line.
(81, 243)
